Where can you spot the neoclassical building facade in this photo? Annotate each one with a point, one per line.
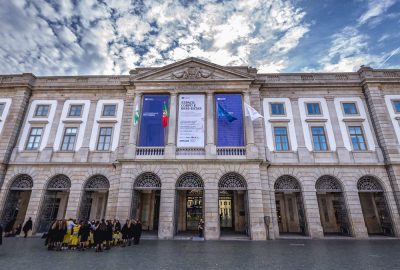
(177, 143)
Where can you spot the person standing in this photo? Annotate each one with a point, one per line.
(201, 228)
(125, 232)
(83, 234)
(137, 232)
(27, 227)
(1, 235)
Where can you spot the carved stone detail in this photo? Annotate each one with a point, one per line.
(328, 183)
(59, 182)
(191, 73)
(22, 182)
(369, 184)
(287, 183)
(147, 180)
(232, 181)
(97, 182)
(189, 180)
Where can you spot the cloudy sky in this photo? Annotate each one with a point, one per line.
(69, 37)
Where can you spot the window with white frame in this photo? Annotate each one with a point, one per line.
(319, 138)
(42, 110)
(277, 108)
(357, 138)
(109, 110)
(69, 139)
(396, 106)
(313, 108)
(281, 139)
(75, 110)
(2, 106)
(34, 138)
(350, 108)
(104, 140)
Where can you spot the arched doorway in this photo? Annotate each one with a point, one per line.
(55, 201)
(146, 200)
(94, 199)
(232, 204)
(374, 206)
(189, 202)
(332, 206)
(17, 201)
(289, 206)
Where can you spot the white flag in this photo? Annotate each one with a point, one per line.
(251, 112)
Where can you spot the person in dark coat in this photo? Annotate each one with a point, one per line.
(201, 228)
(130, 232)
(100, 235)
(9, 228)
(109, 234)
(27, 227)
(125, 232)
(137, 232)
(1, 235)
(18, 229)
(84, 232)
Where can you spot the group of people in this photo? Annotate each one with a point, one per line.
(102, 235)
(10, 231)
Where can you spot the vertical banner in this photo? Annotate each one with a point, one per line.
(229, 114)
(191, 121)
(152, 132)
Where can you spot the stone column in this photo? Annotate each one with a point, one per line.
(33, 209)
(74, 200)
(355, 215)
(251, 149)
(211, 214)
(130, 151)
(256, 215)
(171, 137)
(167, 213)
(312, 214)
(211, 150)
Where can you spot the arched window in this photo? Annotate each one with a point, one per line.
(369, 184)
(22, 182)
(97, 182)
(189, 180)
(147, 180)
(59, 182)
(328, 183)
(232, 181)
(287, 183)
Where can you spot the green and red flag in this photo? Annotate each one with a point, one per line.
(165, 116)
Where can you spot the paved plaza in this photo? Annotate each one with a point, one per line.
(19, 253)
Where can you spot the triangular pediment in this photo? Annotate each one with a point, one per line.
(192, 69)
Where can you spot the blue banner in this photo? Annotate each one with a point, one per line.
(152, 132)
(229, 113)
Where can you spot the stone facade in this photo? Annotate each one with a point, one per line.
(303, 207)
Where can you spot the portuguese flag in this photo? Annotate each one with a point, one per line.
(165, 116)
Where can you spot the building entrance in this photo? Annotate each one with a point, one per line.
(189, 203)
(146, 200)
(289, 206)
(332, 206)
(94, 200)
(374, 207)
(232, 204)
(17, 201)
(55, 202)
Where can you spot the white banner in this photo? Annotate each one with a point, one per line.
(191, 121)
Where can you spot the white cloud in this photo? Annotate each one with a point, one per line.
(375, 8)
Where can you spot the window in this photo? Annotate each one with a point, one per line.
(103, 144)
(2, 106)
(357, 138)
(75, 110)
(277, 109)
(281, 139)
(313, 109)
(319, 139)
(109, 110)
(69, 139)
(42, 110)
(350, 108)
(396, 105)
(34, 139)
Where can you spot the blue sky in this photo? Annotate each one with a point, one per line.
(70, 37)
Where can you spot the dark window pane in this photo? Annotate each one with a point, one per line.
(350, 108)
(109, 110)
(313, 109)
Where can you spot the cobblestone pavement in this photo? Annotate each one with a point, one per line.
(19, 253)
